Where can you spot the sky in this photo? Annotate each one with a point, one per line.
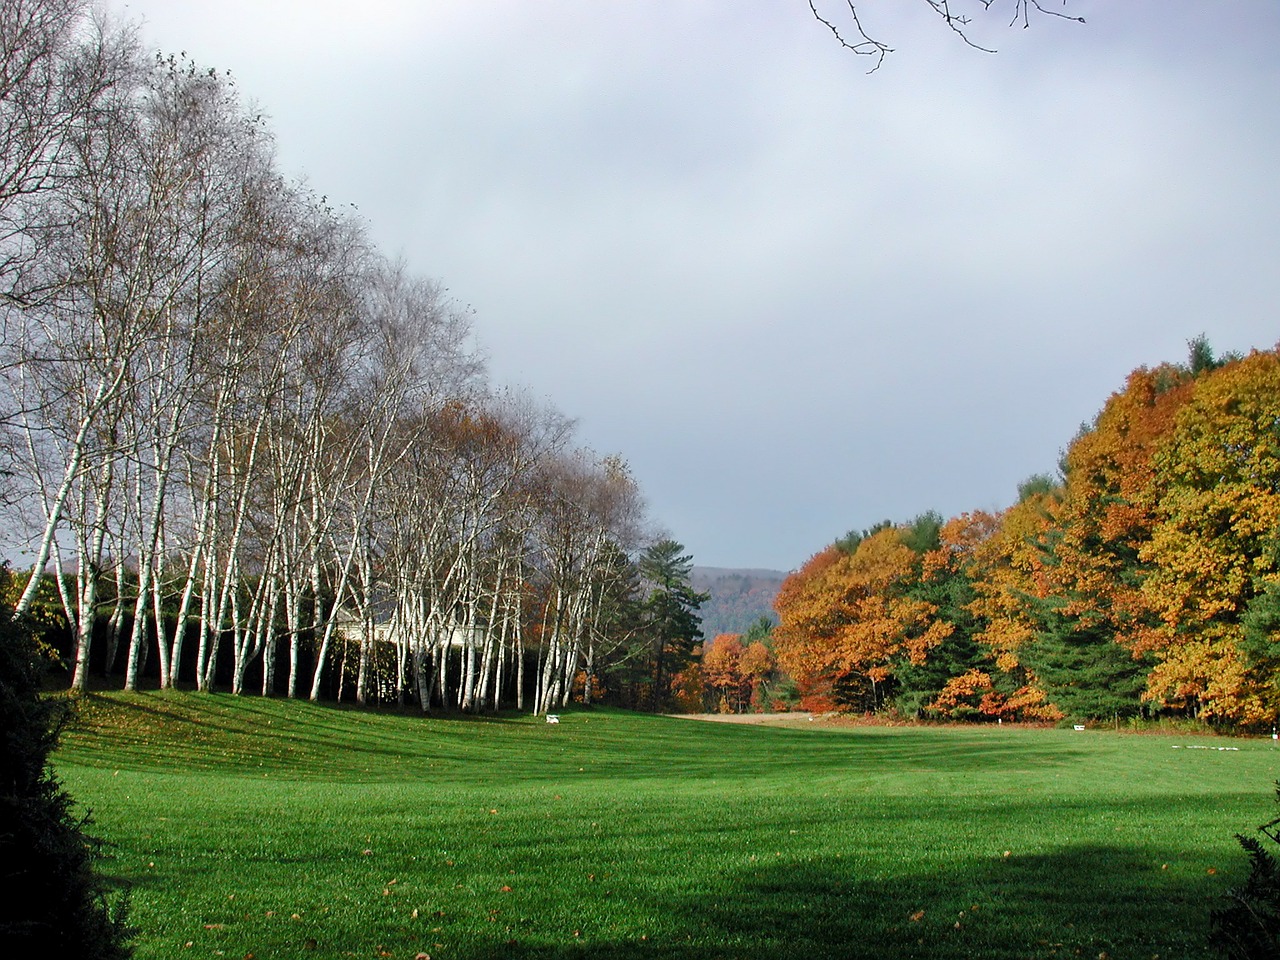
(797, 297)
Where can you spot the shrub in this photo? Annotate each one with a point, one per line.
(1248, 927)
(55, 903)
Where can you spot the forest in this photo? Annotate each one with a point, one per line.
(1144, 579)
(244, 448)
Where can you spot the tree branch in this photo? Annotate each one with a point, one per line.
(863, 44)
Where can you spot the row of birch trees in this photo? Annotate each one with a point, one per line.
(246, 446)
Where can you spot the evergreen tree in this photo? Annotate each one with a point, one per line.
(673, 627)
(54, 904)
(1081, 667)
(918, 684)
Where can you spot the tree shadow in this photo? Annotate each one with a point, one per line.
(1086, 901)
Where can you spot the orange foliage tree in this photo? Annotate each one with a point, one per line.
(996, 553)
(844, 618)
(1106, 518)
(756, 666)
(721, 660)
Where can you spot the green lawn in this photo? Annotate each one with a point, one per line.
(282, 829)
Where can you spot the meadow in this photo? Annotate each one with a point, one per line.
(245, 827)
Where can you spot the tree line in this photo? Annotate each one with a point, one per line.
(1143, 579)
(247, 448)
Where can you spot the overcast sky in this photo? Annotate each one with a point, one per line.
(797, 298)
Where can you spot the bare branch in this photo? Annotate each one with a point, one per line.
(865, 47)
(863, 44)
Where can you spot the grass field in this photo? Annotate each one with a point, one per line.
(272, 829)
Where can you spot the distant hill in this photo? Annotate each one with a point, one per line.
(738, 597)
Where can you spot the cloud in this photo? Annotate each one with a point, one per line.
(797, 298)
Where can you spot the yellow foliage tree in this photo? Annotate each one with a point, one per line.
(1216, 544)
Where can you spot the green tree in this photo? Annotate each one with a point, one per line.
(949, 591)
(672, 625)
(923, 533)
(760, 631)
(850, 542)
(1260, 644)
(1081, 668)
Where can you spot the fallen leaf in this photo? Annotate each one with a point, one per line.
(506, 889)
(917, 916)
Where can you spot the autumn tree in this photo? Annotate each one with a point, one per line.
(721, 671)
(1213, 551)
(1006, 568)
(845, 619)
(1084, 619)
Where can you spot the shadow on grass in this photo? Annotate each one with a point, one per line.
(223, 732)
(299, 740)
(1089, 901)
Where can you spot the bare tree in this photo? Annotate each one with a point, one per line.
(63, 84)
(57, 62)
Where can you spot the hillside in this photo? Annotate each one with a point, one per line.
(738, 597)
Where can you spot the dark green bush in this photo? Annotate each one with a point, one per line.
(55, 903)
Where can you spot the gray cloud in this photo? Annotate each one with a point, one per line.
(797, 298)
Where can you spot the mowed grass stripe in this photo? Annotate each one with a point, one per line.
(276, 828)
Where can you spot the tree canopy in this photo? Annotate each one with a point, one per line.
(1145, 579)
